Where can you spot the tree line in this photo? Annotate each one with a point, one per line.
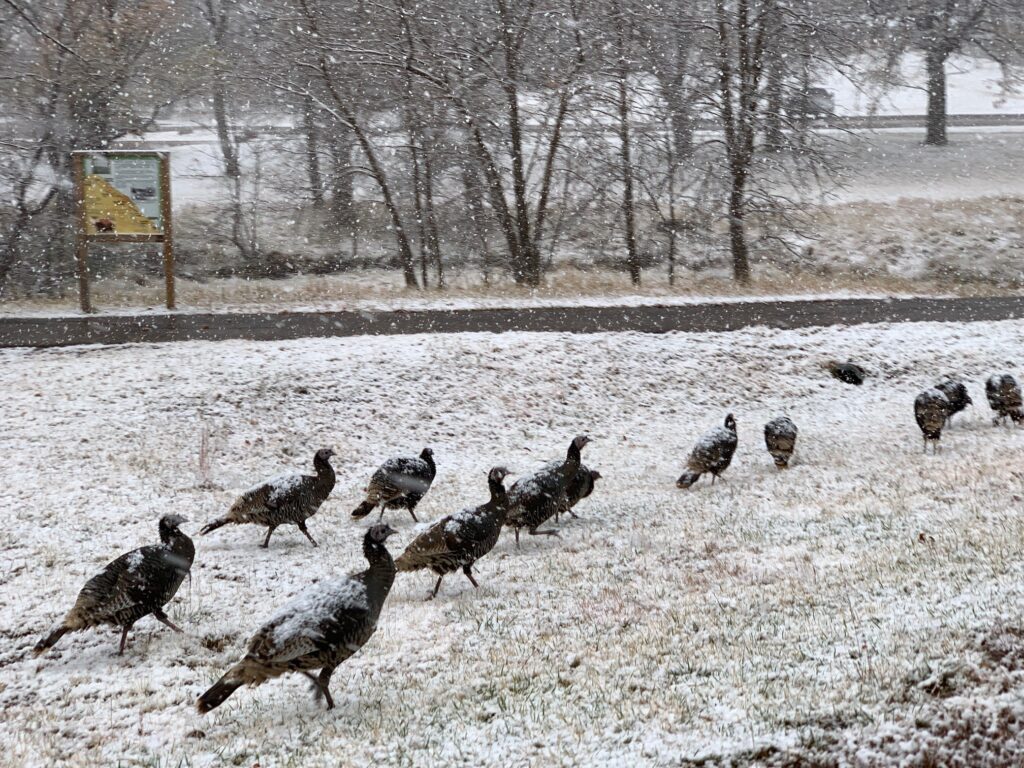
(478, 126)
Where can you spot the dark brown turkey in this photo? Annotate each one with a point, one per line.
(1004, 397)
(135, 585)
(931, 409)
(780, 438)
(399, 483)
(712, 453)
(849, 373)
(286, 500)
(956, 394)
(459, 540)
(581, 486)
(535, 498)
(319, 629)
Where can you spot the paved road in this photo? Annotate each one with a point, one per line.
(67, 331)
(844, 122)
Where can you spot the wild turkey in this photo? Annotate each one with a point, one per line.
(931, 409)
(1004, 397)
(581, 486)
(780, 438)
(399, 483)
(956, 394)
(135, 585)
(712, 453)
(849, 373)
(535, 498)
(459, 540)
(286, 500)
(319, 629)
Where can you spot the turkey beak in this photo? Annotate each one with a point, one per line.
(389, 531)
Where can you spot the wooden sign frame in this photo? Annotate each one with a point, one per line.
(83, 237)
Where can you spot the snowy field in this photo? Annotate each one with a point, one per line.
(874, 165)
(974, 87)
(862, 607)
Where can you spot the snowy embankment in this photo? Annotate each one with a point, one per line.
(854, 598)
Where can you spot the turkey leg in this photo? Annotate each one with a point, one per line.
(302, 527)
(162, 618)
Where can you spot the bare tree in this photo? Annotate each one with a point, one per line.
(622, 24)
(82, 73)
(315, 71)
(670, 51)
(941, 28)
(478, 60)
(741, 28)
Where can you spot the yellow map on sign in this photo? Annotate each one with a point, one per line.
(108, 211)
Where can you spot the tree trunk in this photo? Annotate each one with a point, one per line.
(405, 254)
(9, 251)
(227, 145)
(312, 130)
(936, 120)
(738, 234)
(672, 230)
(527, 268)
(628, 206)
(803, 120)
(417, 208)
(433, 238)
(341, 180)
(773, 138)
(233, 173)
(473, 194)
(680, 119)
(10, 246)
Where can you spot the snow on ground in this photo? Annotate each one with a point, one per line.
(894, 166)
(814, 611)
(974, 87)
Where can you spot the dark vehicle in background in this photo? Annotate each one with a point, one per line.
(814, 103)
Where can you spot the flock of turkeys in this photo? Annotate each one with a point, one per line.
(329, 622)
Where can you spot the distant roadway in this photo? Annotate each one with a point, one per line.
(846, 122)
(724, 316)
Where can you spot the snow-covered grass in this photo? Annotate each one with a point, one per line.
(847, 606)
(887, 167)
(383, 291)
(953, 246)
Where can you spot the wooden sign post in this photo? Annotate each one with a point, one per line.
(123, 196)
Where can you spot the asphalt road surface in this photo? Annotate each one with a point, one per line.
(729, 316)
(841, 122)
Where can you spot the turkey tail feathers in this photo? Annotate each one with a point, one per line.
(214, 525)
(219, 692)
(363, 509)
(687, 479)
